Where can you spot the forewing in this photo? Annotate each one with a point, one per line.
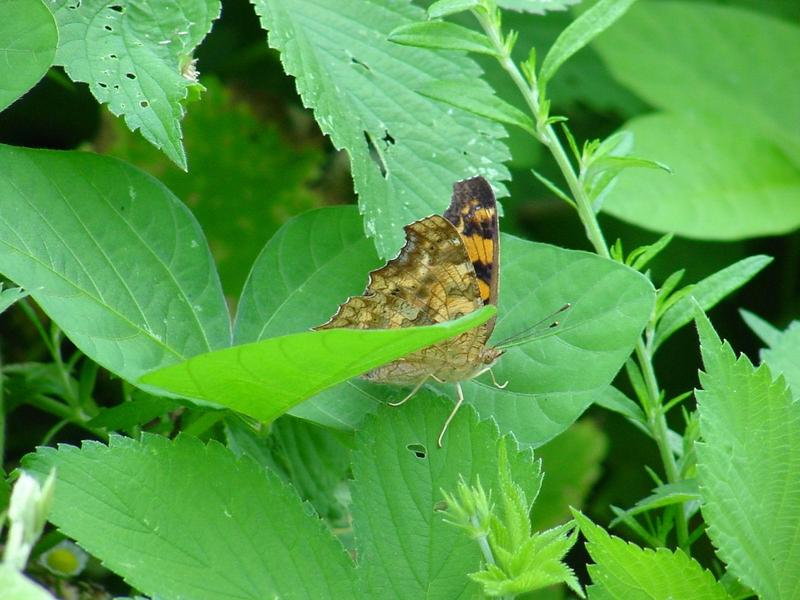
(473, 212)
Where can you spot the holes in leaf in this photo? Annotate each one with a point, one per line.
(112, 56)
(419, 450)
(74, 5)
(375, 155)
(108, 28)
(388, 138)
(144, 104)
(118, 8)
(116, 86)
(102, 84)
(130, 75)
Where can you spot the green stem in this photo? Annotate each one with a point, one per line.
(486, 549)
(547, 135)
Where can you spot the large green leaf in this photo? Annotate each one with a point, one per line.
(697, 65)
(264, 379)
(28, 40)
(623, 570)
(179, 519)
(136, 57)
(406, 150)
(726, 184)
(111, 256)
(748, 467)
(319, 259)
(405, 549)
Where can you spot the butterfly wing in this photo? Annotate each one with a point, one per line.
(473, 212)
(430, 281)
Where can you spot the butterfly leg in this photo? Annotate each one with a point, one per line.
(452, 413)
(501, 386)
(414, 391)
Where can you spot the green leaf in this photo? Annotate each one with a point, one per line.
(136, 57)
(697, 66)
(28, 40)
(297, 366)
(748, 467)
(582, 31)
(405, 548)
(443, 8)
(9, 296)
(406, 150)
(708, 292)
(717, 168)
(623, 570)
(782, 354)
(112, 257)
(618, 402)
(642, 256)
(442, 36)
(15, 586)
(247, 535)
(572, 464)
(537, 7)
(480, 101)
(666, 494)
(141, 409)
(313, 459)
(262, 191)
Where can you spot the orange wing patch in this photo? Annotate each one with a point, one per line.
(473, 212)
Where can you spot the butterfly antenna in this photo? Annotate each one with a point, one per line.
(452, 413)
(534, 330)
(411, 394)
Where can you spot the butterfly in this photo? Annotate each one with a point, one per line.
(448, 267)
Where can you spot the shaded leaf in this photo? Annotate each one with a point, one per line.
(28, 39)
(262, 192)
(112, 257)
(696, 65)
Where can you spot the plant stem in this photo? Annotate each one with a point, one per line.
(486, 550)
(546, 134)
